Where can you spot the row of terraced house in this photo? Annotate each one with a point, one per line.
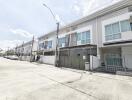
(99, 41)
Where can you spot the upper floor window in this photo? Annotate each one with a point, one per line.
(41, 45)
(113, 31)
(49, 45)
(62, 42)
(45, 45)
(84, 37)
(125, 26)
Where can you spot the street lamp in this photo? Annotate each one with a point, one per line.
(57, 32)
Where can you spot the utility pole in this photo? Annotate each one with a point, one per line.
(57, 51)
(22, 51)
(57, 32)
(31, 49)
(7, 51)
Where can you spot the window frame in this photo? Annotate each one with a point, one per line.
(111, 36)
(121, 26)
(83, 37)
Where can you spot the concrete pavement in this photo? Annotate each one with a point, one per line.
(21, 80)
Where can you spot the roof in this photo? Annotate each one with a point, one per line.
(117, 6)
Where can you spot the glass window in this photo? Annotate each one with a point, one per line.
(109, 37)
(115, 28)
(125, 26)
(88, 37)
(78, 36)
(112, 31)
(62, 41)
(41, 45)
(84, 37)
(117, 36)
(49, 44)
(108, 29)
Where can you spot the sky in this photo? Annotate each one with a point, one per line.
(21, 19)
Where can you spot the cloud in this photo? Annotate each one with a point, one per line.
(76, 8)
(8, 43)
(22, 33)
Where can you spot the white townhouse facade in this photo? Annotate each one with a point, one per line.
(46, 48)
(103, 38)
(27, 50)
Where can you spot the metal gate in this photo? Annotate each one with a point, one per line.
(113, 63)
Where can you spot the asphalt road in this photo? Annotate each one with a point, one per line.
(21, 80)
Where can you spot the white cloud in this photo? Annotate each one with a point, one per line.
(22, 33)
(8, 43)
(77, 9)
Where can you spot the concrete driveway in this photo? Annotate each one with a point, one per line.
(21, 80)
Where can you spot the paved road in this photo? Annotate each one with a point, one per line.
(21, 80)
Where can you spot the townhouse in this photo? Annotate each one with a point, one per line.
(99, 41)
(102, 39)
(27, 51)
(46, 48)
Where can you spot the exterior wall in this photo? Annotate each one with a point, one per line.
(79, 29)
(24, 51)
(100, 22)
(127, 56)
(27, 49)
(124, 35)
(50, 37)
(94, 62)
(47, 59)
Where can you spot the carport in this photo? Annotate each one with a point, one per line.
(76, 56)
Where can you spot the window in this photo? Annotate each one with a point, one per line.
(78, 36)
(116, 31)
(83, 40)
(62, 42)
(88, 37)
(84, 37)
(115, 28)
(108, 29)
(113, 31)
(41, 45)
(49, 44)
(125, 26)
